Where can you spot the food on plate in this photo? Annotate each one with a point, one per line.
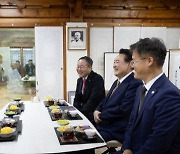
(68, 133)
(55, 111)
(63, 128)
(13, 107)
(79, 129)
(10, 112)
(17, 99)
(54, 107)
(63, 122)
(6, 130)
(49, 98)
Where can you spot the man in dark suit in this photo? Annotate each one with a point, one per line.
(90, 88)
(113, 112)
(154, 125)
(30, 68)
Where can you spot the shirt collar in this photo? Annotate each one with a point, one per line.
(123, 78)
(150, 83)
(85, 78)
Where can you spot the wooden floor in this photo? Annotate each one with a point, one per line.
(6, 96)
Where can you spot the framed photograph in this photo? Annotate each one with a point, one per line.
(77, 38)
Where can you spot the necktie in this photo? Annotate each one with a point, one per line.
(83, 86)
(143, 92)
(117, 85)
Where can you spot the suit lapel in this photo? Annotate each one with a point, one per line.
(146, 102)
(110, 91)
(121, 87)
(152, 91)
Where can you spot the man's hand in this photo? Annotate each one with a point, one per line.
(96, 116)
(127, 151)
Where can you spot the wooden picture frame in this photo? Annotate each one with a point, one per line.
(77, 38)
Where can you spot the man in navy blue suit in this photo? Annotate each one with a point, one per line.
(154, 125)
(112, 114)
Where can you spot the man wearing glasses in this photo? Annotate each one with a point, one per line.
(154, 125)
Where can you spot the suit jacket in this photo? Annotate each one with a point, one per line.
(94, 92)
(30, 70)
(156, 128)
(116, 108)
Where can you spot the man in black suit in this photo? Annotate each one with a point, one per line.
(112, 114)
(90, 88)
(30, 68)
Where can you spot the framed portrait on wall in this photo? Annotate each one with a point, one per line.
(77, 38)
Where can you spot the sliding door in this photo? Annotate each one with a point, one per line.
(49, 61)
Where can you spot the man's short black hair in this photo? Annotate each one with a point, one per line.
(87, 59)
(151, 47)
(127, 53)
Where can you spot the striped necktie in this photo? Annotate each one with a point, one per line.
(117, 85)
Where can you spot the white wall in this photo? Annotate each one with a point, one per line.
(124, 36)
(101, 41)
(172, 38)
(158, 32)
(72, 57)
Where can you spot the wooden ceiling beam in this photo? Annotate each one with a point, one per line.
(133, 22)
(90, 13)
(34, 13)
(78, 8)
(140, 21)
(32, 22)
(34, 2)
(128, 4)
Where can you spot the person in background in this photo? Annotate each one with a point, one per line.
(30, 68)
(14, 84)
(1, 69)
(89, 89)
(112, 114)
(13, 73)
(18, 66)
(154, 125)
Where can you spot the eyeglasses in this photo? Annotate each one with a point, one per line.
(136, 61)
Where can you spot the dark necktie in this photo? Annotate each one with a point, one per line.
(143, 92)
(117, 85)
(83, 86)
